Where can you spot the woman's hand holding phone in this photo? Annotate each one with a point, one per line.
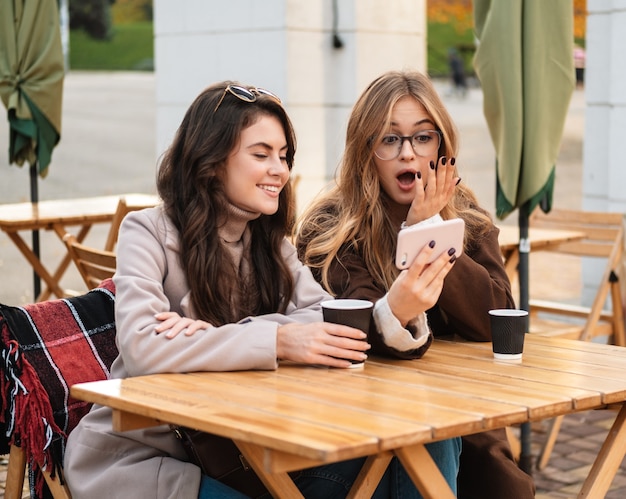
(417, 288)
(446, 235)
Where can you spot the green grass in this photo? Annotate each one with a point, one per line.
(442, 37)
(130, 48)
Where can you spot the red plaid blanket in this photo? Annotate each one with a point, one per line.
(47, 347)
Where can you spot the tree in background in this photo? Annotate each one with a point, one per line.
(580, 20)
(130, 11)
(93, 16)
(97, 17)
(458, 13)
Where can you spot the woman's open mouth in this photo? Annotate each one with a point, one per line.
(406, 178)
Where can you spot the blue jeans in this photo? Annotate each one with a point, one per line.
(333, 481)
(212, 489)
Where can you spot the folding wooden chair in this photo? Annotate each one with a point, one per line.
(93, 264)
(123, 208)
(604, 242)
(47, 347)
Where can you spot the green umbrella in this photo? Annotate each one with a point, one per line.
(525, 64)
(31, 78)
(524, 61)
(31, 85)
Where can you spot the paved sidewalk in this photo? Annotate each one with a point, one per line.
(579, 441)
(108, 147)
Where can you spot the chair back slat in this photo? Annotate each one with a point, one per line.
(94, 265)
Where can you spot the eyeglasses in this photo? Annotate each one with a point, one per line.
(246, 94)
(424, 143)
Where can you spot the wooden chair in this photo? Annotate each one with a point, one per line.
(36, 376)
(604, 242)
(123, 208)
(93, 264)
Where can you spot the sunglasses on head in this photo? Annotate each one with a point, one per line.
(246, 94)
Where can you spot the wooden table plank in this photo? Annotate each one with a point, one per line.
(585, 394)
(319, 442)
(77, 211)
(563, 344)
(534, 396)
(538, 237)
(393, 420)
(406, 397)
(608, 382)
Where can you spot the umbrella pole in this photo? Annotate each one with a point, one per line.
(526, 458)
(34, 198)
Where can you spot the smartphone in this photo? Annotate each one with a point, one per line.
(446, 234)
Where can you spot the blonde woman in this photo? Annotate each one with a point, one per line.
(399, 169)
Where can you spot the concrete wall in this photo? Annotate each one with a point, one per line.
(287, 47)
(604, 166)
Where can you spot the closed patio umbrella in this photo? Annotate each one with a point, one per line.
(524, 62)
(31, 85)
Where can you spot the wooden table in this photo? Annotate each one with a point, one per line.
(298, 416)
(57, 215)
(538, 238)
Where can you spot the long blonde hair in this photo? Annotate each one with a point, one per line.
(353, 211)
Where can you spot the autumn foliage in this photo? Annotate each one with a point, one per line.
(458, 13)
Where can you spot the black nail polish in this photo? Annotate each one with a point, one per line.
(452, 259)
(452, 161)
(458, 181)
(418, 175)
(431, 244)
(443, 161)
(451, 251)
(432, 165)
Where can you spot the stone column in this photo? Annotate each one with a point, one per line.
(604, 168)
(288, 47)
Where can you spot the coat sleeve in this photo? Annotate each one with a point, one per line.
(476, 284)
(145, 260)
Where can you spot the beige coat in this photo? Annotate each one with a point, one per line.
(150, 463)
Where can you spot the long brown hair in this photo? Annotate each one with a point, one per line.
(190, 183)
(354, 210)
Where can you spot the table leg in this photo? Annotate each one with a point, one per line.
(51, 280)
(424, 472)
(53, 285)
(608, 461)
(280, 485)
(60, 271)
(15, 473)
(370, 475)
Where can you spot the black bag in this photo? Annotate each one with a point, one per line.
(219, 458)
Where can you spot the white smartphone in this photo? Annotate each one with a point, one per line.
(446, 234)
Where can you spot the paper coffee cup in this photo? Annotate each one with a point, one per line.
(349, 312)
(508, 330)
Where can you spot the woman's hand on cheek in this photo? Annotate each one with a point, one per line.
(433, 191)
(417, 288)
